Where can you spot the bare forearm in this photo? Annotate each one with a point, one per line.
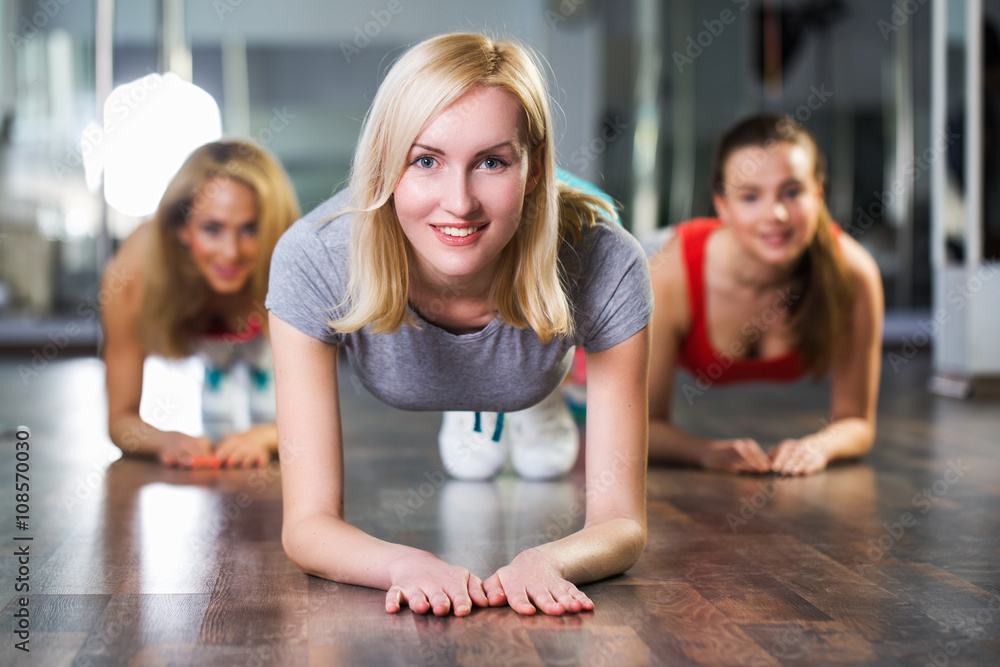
(331, 548)
(598, 550)
(669, 444)
(134, 436)
(846, 438)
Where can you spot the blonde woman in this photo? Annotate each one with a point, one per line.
(771, 290)
(460, 276)
(193, 281)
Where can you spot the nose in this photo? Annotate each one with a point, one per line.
(458, 198)
(780, 211)
(230, 247)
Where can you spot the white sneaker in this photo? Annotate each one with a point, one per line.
(473, 445)
(544, 439)
(263, 399)
(219, 402)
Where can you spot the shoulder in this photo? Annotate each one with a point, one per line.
(865, 279)
(125, 273)
(860, 265)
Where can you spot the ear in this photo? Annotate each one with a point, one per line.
(184, 234)
(534, 169)
(820, 192)
(721, 206)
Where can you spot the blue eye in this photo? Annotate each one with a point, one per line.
(425, 161)
(249, 229)
(493, 163)
(749, 198)
(211, 228)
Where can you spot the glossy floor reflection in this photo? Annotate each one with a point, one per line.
(891, 561)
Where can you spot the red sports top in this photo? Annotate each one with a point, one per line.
(697, 354)
(249, 329)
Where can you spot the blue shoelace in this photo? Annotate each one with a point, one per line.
(497, 431)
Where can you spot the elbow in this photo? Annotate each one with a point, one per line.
(631, 543)
(291, 545)
(635, 543)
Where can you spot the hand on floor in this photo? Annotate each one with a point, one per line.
(185, 451)
(426, 583)
(736, 455)
(246, 450)
(798, 457)
(532, 581)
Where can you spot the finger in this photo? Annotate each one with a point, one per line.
(477, 593)
(440, 603)
(204, 445)
(519, 602)
(393, 599)
(756, 459)
(459, 598)
(779, 456)
(575, 600)
(416, 600)
(568, 601)
(547, 604)
(493, 589)
(585, 602)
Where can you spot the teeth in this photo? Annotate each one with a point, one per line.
(459, 231)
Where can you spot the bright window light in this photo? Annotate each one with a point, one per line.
(150, 126)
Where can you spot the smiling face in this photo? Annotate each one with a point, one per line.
(771, 201)
(461, 194)
(221, 234)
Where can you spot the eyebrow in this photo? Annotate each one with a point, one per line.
(513, 144)
(751, 186)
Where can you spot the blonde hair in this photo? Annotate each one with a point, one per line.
(175, 306)
(528, 289)
(821, 310)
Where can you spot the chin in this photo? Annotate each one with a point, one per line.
(228, 287)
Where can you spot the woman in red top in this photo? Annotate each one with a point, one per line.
(770, 290)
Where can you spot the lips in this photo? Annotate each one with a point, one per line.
(776, 238)
(458, 235)
(228, 272)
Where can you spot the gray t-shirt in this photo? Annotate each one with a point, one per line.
(500, 368)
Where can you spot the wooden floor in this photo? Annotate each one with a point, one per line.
(891, 561)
